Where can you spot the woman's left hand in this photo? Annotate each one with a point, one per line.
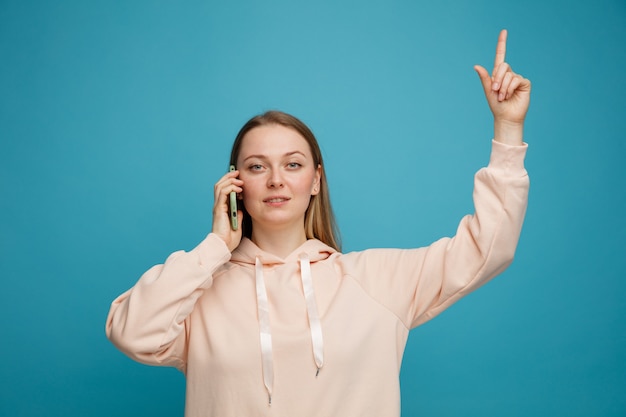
(507, 93)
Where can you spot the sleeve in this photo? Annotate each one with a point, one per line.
(418, 284)
(147, 322)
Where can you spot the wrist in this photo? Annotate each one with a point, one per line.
(510, 133)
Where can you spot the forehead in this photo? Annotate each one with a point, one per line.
(273, 140)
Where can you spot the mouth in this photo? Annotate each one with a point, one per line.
(276, 200)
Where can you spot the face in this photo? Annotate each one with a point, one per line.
(279, 175)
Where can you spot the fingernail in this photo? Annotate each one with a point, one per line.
(495, 86)
(501, 96)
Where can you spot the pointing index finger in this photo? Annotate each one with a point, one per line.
(500, 49)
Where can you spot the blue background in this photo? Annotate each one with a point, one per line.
(117, 117)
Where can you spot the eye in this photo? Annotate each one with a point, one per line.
(293, 165)
(255, 167)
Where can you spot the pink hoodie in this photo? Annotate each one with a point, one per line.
(318, 333)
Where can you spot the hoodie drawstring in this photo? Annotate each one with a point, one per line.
(265, 331)
(315, 324)
(311, 306)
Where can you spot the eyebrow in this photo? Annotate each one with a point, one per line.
(265, 157)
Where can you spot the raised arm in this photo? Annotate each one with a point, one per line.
(508, 96)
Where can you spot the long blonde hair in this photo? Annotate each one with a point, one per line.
(319, 219)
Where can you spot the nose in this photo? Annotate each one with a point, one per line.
(275, 180)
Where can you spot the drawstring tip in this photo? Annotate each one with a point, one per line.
(318, 372)
(269, 399)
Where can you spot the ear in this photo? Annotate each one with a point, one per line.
(317, 181)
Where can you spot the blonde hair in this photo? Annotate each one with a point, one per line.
(319, 219)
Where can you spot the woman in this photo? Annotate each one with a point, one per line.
(271, 319)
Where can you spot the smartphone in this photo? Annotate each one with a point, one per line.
(233, 206)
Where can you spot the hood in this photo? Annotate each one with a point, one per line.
(310, 251)
(247, 252)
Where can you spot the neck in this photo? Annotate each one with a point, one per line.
(278, 242)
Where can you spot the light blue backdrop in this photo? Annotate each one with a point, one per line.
(116, 118)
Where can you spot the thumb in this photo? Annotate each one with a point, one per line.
(484, 76)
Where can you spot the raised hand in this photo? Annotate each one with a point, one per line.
(221, 216)
(508, 95)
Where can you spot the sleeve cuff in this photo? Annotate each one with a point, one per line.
(212, 250)
(508, 158)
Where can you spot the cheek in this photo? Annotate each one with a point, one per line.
(306, 186)
(251, 185)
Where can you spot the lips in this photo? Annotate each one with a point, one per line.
(276, 199)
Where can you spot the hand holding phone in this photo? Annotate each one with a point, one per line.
(233, 206)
